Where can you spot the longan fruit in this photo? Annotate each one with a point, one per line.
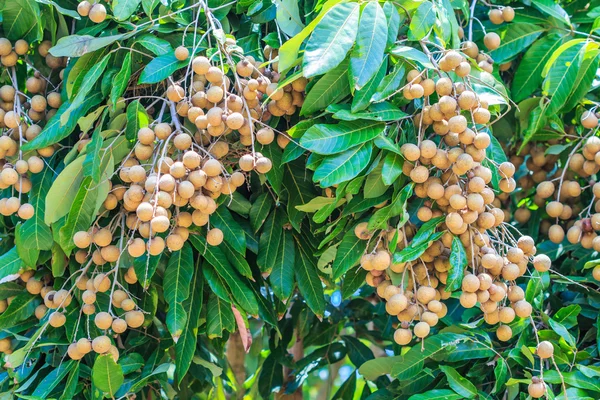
(201, 65)
(491, 40)
(57, 319)
(84, 346)
(542, 263)
(134, 319)
(470, 283)
(103, 320)
(182, 53)
(26, 211)
(101, 344)
(522, 308)
(102, 237)
(40, 311)
(97, 13)
(175, 93)
(34, 286)
(101, 283)
(589, 120)
(156, 245)
(396, 304)
(265, 136)
(212, 168)
(504, 333)
(402, 336)
(214, 237)
(496, 16)
(508, 14)
(263, 165)
(536, 389)
(422, 329)
(596, 272)
(119, 325)
(545, 349)
(5, 47)
(127, 305)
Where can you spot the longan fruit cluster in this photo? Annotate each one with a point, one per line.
(501, 14)
(488, 280)
(22, 116)
(113, 322)
(95, 12)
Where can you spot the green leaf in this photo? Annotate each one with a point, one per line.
(436, 394)
(107, 375)
(123, 9)
(178, 276)
(496, 154)
(219, 318)
(297, 181)
(413, 361)
(275, 175)
(390, 83)
(349, 253)
(344, 166)
(331, 40)
(515, 38)
(78, 45)
(10, 289)
(121, 80)
(161, 68)
(362, 97)
(528, 75)
(156, 45)
(553, 9)
(373, 369)
(380, 218)
(383, 111)
(35, 233)
(89, 81)
(237, 260)
(335, 138)
(50, 381)
(232, 231)
(393, 22)
(145, 266)
(584, 80)
(413, 55)
(82, 213)
(288, 17)
(458, 262)
(329, 89)
(282, 273)
(575, 379)
(562, 75)
(260, 210)
(20, 18)
(71, 383)
(10, 264)
(20, 308)
(27, 254)
(54, 131)
(422, 21)
(459, 383)
(270, 377)
(136, 118)
(185, 347)
(354, 279)
(367, 54)
(269, 241)
(59, 261)
(392, 168)
(288, 52)
(309, 283)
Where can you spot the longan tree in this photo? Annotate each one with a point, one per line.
(308, 199)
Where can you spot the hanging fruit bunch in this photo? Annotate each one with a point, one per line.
(188, 160)
(28, 100)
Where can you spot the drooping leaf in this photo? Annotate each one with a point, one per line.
(308, 279)
(161, 68)
(331, 40)
(335, 138)
(123, 9)
(458, 262)
(107, 375)
(78, 45)
(514, 39)
(178, 276)
(329, 89)
(459, 383)
(367, 54)
(282, 273)
(422, 21)
(344, 166)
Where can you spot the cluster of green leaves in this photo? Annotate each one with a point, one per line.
(288, 245)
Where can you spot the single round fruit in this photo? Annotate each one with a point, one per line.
(97, 13)
(545, 349)
(134, 319)
(103, 320)
(182, 53)
(422, 329)
(214, 237)
(101, 344)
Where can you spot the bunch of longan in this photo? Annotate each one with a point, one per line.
(22, 116)
(95, 12)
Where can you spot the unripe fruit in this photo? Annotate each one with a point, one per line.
(101, 344)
